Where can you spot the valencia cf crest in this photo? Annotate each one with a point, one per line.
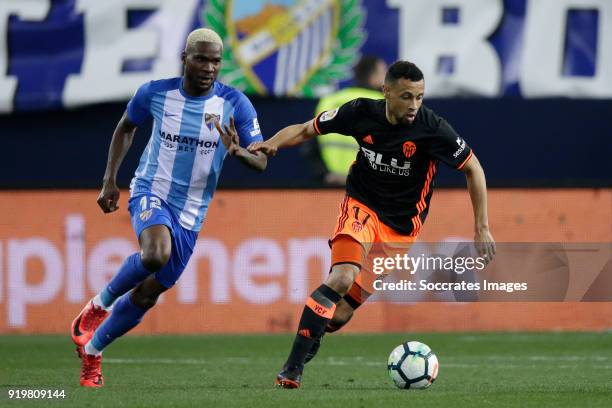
(357, 226)
(409, 149)
(287, 47)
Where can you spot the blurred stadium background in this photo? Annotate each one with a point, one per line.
(528, 83)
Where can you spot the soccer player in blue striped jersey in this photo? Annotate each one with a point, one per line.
(197, 123)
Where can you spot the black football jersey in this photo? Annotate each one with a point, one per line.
(395, 167)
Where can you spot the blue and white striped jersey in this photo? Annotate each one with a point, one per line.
(183, 159)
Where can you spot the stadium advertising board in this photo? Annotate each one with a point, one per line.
(57, 249)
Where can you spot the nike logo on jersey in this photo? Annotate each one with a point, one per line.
(368, 139)
(169, 114)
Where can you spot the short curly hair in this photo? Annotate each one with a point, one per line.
(403, 69)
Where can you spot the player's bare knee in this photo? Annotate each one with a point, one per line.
(155, 256)
(152, 261)
(156, 247)
(342, 277)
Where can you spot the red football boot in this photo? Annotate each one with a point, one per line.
(91, 369)
(86, 323)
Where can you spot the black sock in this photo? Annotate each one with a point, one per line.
(330, 328)
(318, 311)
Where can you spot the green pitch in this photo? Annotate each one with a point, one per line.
(492, 370)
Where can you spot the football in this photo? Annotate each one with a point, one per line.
(412, 365)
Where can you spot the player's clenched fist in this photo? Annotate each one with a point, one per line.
(265, 147)
(108, 198)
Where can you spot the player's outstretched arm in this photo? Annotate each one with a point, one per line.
(286, 137)
(477, 187)
(229, 137)
(120, 144)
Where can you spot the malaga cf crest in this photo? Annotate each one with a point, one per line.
(287, 47)
(146, 214)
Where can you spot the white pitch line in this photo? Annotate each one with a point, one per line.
(523, 336)
(186, 361)
(548, 358)
(503, 362)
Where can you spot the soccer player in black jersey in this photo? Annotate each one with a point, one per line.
(388, 191)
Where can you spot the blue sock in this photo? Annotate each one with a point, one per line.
(125, 316)
(131, 273)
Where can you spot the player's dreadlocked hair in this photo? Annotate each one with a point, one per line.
(403, 69)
